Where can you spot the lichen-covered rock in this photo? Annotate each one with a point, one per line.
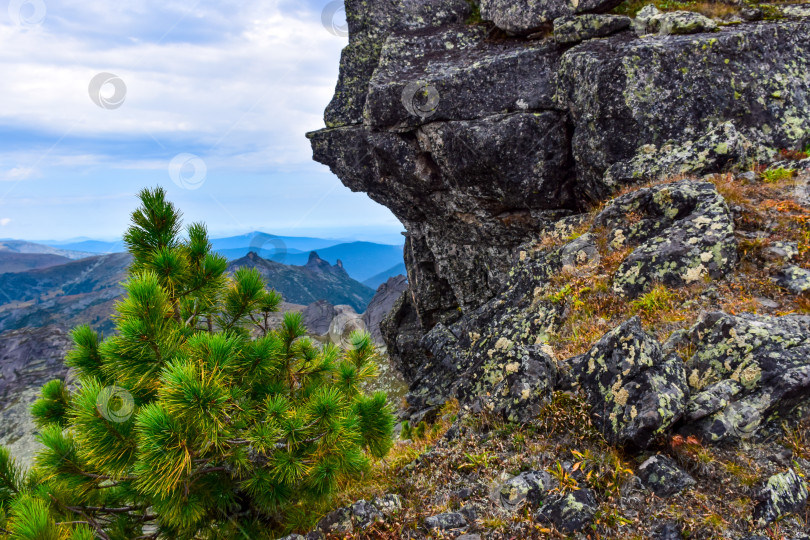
(781, 252)
(661, 475)
(573, 29)
(389, 504)
(795, 279)
(478, 141)
(721, 147)
(524, 16)
(646, 20)
(684, 22)
(683, 231)
(569, 513)
(365, 514)
(370, 22)
(528, 487)
(635, 393)
(797, 11)
(783, 494)
(748, 372)
(624, 94)
(449, 520)
(336, 522)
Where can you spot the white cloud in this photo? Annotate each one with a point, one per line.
(252, 90)
(16, 174)
(4, 221)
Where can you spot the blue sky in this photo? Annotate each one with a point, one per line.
(229, 87)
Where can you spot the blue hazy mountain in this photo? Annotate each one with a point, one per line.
(377, 280)
(88, 245)
(362, 260)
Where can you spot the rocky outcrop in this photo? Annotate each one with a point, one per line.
(488, 145)
(661, 475)
(318, 317)
(681, 233)
(636, 393)
(748, 372)
(781, 495)
(381, 305)
(327, 321)
(477, 144)
(28, 359)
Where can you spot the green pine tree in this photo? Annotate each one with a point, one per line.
(195, 419)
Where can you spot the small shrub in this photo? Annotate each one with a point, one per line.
(772, 176)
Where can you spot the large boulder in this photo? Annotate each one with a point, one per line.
(578, 28)
(782, 494)
(748, 373)
(682, 233)
(635, 392)
(661, 475)
(318, 316)
(625, 94)
(524, 16)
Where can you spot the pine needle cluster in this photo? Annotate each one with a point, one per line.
(195, 419)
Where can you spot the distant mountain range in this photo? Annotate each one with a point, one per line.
(84, 291)
(21, 246)
(367, 262)
(11, 261)
(316, 280)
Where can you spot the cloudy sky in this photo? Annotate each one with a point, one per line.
(209, 99)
